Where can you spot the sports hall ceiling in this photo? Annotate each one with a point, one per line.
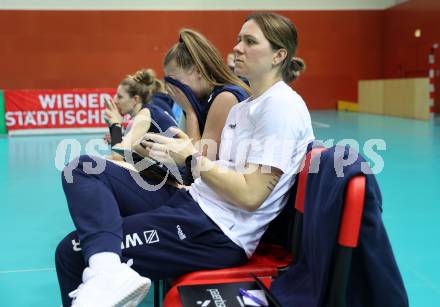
(198, 4)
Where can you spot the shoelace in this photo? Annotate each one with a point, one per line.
(75, 292)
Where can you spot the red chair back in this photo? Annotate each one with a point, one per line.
(348, 237)
(308, 164)
(312, 155)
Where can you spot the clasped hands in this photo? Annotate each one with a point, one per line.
(166, 150)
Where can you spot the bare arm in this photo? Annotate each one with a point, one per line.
(246, 191)
(141, 125)
(192, 127)
(216, 119)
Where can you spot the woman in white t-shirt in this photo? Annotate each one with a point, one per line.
(217, 221)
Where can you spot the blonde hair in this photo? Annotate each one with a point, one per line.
(144, 84)
(193, 49)
(282, 34)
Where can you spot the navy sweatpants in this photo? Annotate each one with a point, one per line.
(164, 231)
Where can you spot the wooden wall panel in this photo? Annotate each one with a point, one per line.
(407, 97)
(371, 95)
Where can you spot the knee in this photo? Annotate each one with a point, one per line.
(59, 254)
(68, 252)
(82, 165)
(63, 250)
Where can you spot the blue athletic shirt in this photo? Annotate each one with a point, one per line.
(237, 91)
(160, 107)
(201, 108)
(163, 101)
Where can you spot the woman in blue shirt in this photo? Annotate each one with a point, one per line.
(143, 97)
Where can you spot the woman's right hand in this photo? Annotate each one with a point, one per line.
(168, 150)
(111, 113)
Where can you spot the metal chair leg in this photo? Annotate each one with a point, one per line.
(156, 298)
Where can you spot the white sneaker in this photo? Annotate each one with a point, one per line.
(122, 288)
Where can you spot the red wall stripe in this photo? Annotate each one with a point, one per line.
(77, 49)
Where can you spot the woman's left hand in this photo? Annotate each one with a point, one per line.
(167, 149)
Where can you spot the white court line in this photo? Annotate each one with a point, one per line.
(322, 125)
(28, 270)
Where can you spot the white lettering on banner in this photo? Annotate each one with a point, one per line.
(103, 98)
(20, 119)
(61, 119)
(73, 101)
(47, 101)
(70, 117)
(78, 118)
(54, 117)
(81, 100)
(30, 120)
(42, 118)
(10, 119)
(68, 101)
(59, 101)
(93, 99)
(94, 117)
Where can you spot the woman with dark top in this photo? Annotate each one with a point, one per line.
(143, 97)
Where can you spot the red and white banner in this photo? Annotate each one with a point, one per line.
(55, 109)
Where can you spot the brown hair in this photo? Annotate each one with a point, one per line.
(193, 49)
(281, 34)
(144, 84)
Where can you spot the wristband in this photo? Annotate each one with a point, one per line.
(190, 164)
(191, 160)
(115, 134)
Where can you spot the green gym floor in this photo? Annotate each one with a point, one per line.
(34, 216)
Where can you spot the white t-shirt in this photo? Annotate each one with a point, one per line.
(272, 130)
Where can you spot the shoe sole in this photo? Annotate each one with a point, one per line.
(135, 297)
